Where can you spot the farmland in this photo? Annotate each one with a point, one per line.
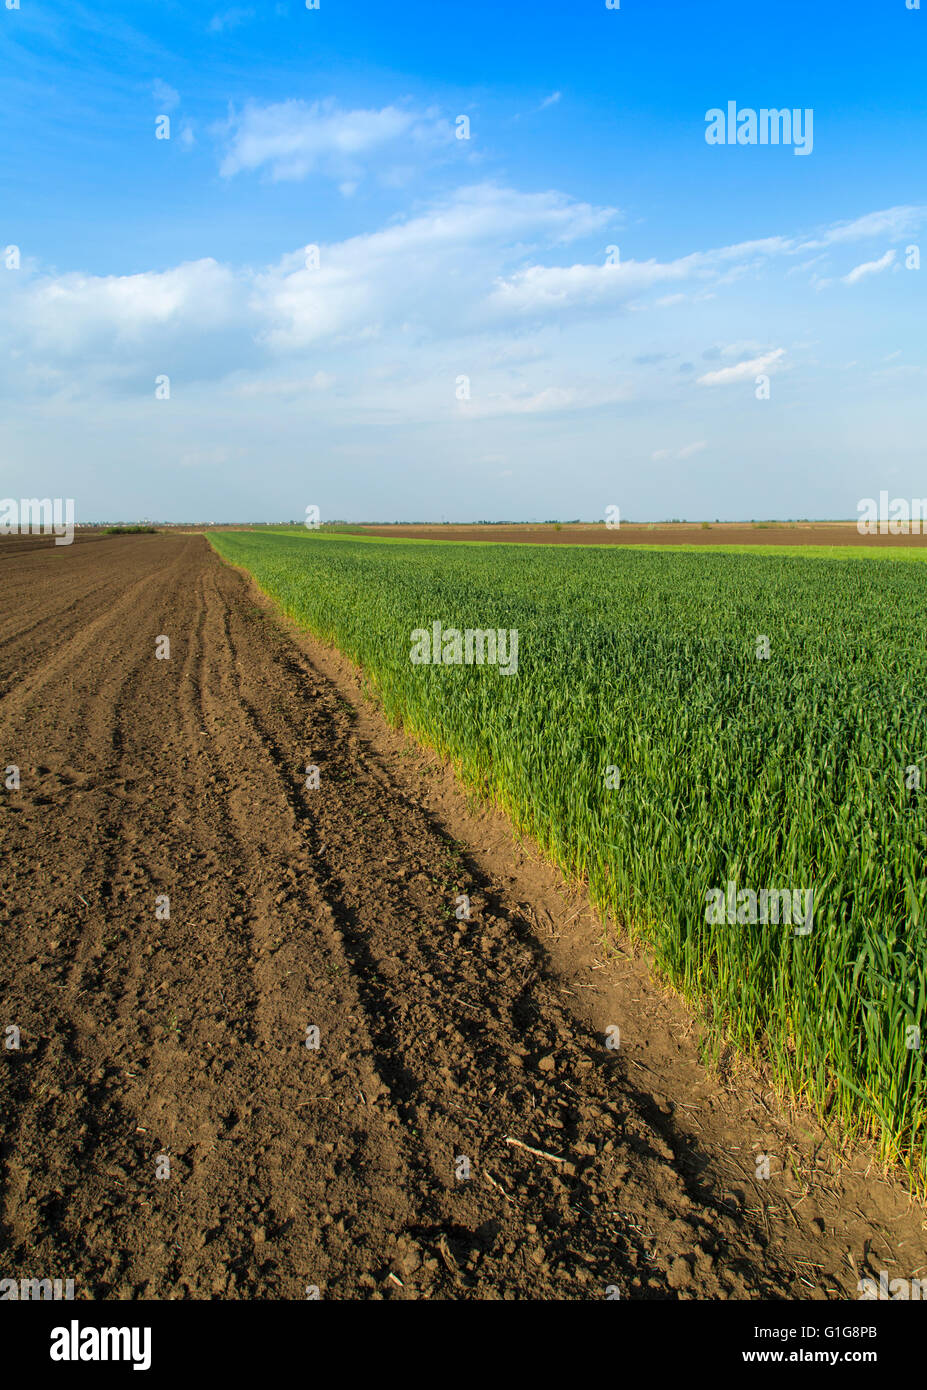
(681, 725)
(188, 907)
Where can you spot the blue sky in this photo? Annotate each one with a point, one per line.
(463, 349)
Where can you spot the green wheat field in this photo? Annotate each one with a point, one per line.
(654, 755)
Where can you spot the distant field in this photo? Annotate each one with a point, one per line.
(763, 533)
(649, 749)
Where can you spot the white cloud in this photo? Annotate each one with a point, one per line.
(295, 138)
(74, 313)
(744, 250)
(549, 101)
(433, 269)
(547, 288)
(893, 223)
(544, 288)
(392, 317)
(860, 272)
(753, 367)
(425, 280)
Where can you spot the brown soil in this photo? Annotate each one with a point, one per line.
(681, 533)
(291, 907)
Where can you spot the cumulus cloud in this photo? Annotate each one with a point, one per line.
(468, 279)
(431, 269)
(416, 282)
(73, 312)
